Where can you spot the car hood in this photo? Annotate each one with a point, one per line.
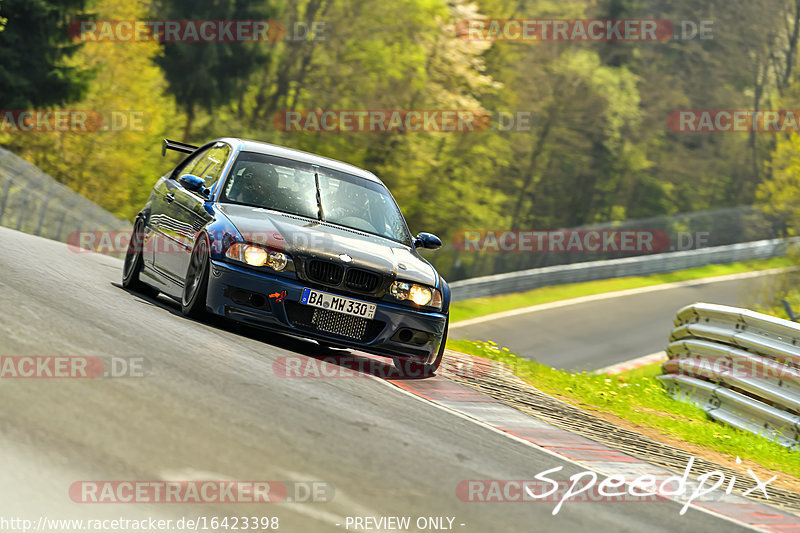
(304, 239)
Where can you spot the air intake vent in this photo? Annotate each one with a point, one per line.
(361, 280)
(325, 272)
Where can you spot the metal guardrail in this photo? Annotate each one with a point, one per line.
(741, 367)
(33, 202)
(526, 280)
(461, 259)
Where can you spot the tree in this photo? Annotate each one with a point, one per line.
(34, 54)
(210, 74)
(117, 164)
(3, 20)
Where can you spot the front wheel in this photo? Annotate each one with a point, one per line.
(195, 286)
(413, 368)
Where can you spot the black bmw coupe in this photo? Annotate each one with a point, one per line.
(287, 240)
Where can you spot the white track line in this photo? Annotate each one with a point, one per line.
(617, 294)
(584, 465)
(633, 363)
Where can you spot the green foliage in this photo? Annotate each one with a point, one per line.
(115, 169)
(639, 398)
(780, 194)
(35, 50)
(209, 75)
(597, 147)
(3, 20)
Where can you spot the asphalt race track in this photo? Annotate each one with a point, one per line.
(600, 333)
(210, 407)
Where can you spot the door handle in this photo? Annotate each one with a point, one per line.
(170, 198)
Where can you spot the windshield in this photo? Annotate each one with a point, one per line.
(291, 187)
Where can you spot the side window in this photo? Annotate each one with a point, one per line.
(209, 165)
(187, 166)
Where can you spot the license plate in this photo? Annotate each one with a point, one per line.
(340, 304)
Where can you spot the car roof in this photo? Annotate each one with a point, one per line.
(247, 145)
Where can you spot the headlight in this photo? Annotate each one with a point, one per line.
(257, 256)
(277, 261)
(400, 290)
(419, 294)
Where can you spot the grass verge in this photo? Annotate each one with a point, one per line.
(467, 309)
(637, 397)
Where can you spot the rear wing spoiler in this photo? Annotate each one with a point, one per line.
(167, 144)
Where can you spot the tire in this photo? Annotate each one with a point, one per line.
(195, 285)
(134, 263)
(413, 368)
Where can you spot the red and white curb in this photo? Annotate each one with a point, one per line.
(585, 452)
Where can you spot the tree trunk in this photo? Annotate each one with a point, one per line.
(531, 168)
(189, 120)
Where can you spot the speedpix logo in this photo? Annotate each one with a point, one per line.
(587, 487)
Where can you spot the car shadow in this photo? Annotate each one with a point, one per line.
(318, 360)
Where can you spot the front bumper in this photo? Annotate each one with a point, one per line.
(252, 297)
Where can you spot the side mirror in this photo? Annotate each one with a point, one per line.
(428, 241)
(194, 184)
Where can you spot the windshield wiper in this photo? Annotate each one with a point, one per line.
(320, 210)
